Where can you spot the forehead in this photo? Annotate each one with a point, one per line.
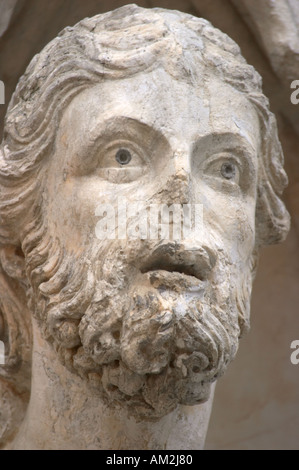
(182, 111)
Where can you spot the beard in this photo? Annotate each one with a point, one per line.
(145, 335)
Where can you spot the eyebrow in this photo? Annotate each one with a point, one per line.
(119, 124)
(226, 141)
(120, 127)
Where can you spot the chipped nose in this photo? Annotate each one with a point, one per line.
(177, 189)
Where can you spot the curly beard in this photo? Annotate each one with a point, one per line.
(144, 340)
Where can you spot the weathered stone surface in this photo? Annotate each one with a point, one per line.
(133, 330)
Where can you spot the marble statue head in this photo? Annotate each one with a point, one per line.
(150, 106)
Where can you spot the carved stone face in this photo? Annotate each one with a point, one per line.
(160, 319)
(187, 145)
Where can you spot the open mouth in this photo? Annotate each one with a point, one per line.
(162, 265)
(174, 268)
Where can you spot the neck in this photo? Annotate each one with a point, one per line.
(64, 413)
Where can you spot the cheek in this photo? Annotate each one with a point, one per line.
(231, 222)
(245, 235)
(71, 213)
(74, 206)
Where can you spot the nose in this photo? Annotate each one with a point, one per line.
(178, 186)
(182, 161)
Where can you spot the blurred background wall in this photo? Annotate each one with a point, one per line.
(257, 403)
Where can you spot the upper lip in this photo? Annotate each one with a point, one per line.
(191, 261)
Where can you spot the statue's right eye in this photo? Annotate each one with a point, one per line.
(121, 161)
(120, 151)
(123, 156)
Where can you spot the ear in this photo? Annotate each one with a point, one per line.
(13, 261)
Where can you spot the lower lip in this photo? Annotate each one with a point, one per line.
(173, 280)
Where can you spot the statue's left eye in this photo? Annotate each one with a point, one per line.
(228, 170)
(223, 167)
(123, 156)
